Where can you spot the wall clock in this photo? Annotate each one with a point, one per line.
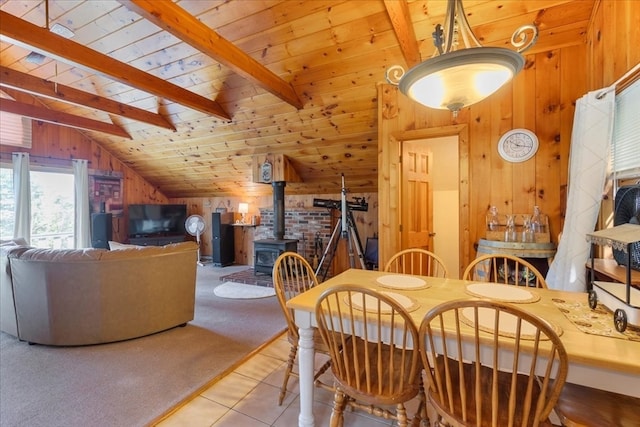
(266, 171)
(518, 145)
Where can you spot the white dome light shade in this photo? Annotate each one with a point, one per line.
(458, 79)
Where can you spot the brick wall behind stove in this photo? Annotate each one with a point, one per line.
(300, 224)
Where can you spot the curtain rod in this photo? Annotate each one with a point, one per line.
(5, 155)
(626, 80)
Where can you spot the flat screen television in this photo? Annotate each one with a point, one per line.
(157, 220)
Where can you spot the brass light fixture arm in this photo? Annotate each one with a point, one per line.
(520, 39)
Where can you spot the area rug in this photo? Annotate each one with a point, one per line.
(134, 382)
(233, 290)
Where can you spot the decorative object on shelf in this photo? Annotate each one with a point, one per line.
(455, 78)
(528, 235)
(538, 221)
(106, 192)
(243, 209)
(195, 226)
(266, 171)
(493, 222)
(518, 145)
(221, 208)
(510, 234)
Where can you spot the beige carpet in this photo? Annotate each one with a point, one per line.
(132, 383)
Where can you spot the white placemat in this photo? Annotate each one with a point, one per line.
(504, 293)
(402, 281)
(371, 303)
(507, 325)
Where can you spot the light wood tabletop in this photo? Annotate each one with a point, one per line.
(598, 361)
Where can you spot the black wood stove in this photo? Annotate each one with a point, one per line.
(268, 250)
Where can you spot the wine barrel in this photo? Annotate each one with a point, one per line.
(532, 252)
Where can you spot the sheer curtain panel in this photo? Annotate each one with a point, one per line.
(82, 229)
(590, 145)
(22, 196)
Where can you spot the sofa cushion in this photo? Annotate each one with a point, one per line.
(93, 254)
(14, 242)
(134, 251)
(47, 254)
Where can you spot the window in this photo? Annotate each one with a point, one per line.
(625, 154)
(16, 130)
(52, 207)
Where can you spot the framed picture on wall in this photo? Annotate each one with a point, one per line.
(105, 192)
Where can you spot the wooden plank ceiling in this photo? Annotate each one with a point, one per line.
(187, 92)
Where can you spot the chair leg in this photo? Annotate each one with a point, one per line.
(401, 414)
(337, 414)
(421, 418)
(287, 373)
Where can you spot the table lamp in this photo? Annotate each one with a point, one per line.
(243, 208)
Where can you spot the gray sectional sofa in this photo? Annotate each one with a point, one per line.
(91, 296)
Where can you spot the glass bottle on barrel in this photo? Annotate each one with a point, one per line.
(538, 221)
(493, 222)
(528, 236)
(510, 234)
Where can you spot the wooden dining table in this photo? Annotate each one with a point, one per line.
(602, 362)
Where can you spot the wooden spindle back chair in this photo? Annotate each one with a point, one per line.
(506, 269)
(373, 343)
(417, 261)
(293, 275)
(491, 364)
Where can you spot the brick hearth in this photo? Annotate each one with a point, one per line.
(248, 277)
(301, 224)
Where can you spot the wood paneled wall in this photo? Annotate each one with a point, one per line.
(542, 98)
(613, 42)
(56, 145)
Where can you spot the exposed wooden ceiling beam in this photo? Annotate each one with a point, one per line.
(25, 83)
(174, 19)
(398, 12)
(59, 118)
(23, 33)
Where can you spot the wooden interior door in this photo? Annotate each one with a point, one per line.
(416, 196)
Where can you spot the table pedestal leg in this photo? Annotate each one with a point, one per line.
(305, 359)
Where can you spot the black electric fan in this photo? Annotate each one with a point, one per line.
(627, 211)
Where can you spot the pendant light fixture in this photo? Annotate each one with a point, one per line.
(456, 77)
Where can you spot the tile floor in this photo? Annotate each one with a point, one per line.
(248, 397)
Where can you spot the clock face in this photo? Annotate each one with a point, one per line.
(518, 145)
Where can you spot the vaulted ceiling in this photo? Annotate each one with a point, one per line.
(186, 93)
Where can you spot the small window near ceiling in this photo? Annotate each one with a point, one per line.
(15, 130)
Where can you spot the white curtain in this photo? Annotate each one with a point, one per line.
(22, 196)
(590, 146)
(82, 218)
